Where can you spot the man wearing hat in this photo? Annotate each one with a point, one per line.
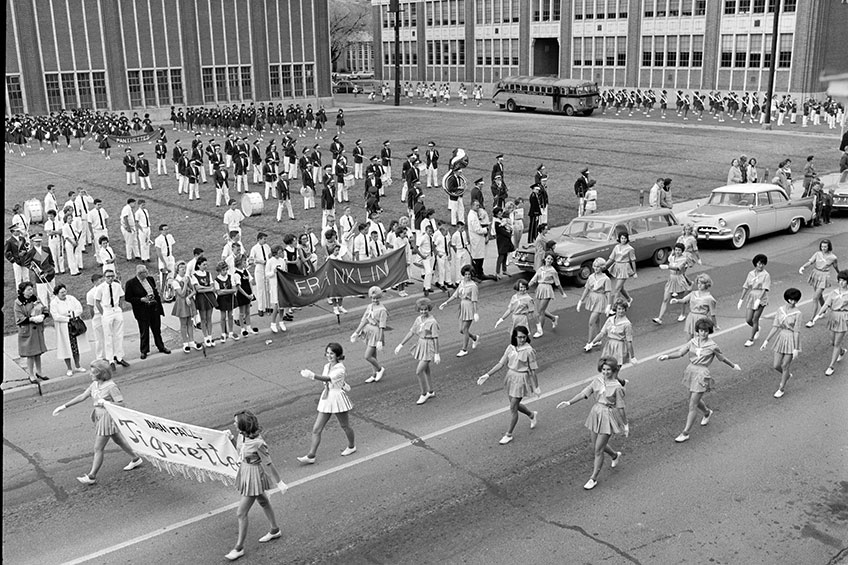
(143, 170)
(336, 147)
(409, 174)
(377, 169)
(176, 155)
(534, 213)
(142, 294)
(220, 175)
(386, 159)
(161, 151)
(241, 165)
(256, 161)
(581, 185)
(477, 192)
(129, 166)
(229, 150)
(500, 193)
(269, 173)
(183, 170)
(498, 167)
(40, 261)
(328, 194)
(431, 160)
(315, 161)
(53, 233)
(358, 160)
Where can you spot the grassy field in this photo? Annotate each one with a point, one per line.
(623, 155)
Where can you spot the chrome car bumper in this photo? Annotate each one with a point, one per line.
(711, 232)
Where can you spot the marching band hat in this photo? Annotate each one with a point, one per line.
(431, 143)
(335, 138)
(36, 236)
(374, 158)
(316, 146)
(479, 181)
(499, 156)
(499, 176)
(584, 170)
(386, 142)
(358, 141)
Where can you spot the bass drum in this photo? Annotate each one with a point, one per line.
(33, 211)
(252, 204)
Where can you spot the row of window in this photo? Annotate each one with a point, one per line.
(546, 10)
(408, 52)
(600, 9)
(757, 6)
(497, 12)
(600, 51)
(155, 87)
(14, 95)
(446, 52)
(449, 12)
(225, 84)
(673, 8)
(76, 90)
(408, 15)
(673, 51)
(754, 50)
(497, 52)
(292, 80)
(359, 56)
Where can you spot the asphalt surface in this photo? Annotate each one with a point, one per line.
(765, 482)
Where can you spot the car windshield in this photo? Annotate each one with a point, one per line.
(731, 199)
(588, 229)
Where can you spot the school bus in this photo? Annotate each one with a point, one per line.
(568, 96)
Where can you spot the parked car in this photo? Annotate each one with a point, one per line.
(839, 184)
(345, 87)
(737, 212)
(653, 232)
(362, 75)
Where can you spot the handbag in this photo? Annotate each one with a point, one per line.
(76, 326)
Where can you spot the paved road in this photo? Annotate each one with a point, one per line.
(766, 482)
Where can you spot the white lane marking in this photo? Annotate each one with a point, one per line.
(381, 453)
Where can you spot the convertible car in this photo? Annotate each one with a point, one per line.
(653, 232)
(737, 212)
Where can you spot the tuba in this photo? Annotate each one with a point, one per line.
(454, 183)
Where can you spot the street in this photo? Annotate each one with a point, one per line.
(765, 482)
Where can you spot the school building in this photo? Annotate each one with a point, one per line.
(660, 44)
(140, 54)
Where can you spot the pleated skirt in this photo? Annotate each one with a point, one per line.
(103, 423)
(252, 480)
(604, 419)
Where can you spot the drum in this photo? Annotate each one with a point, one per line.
(348, 180)
(252, 204)
(33, 211)
(387, 181)
(422, 168)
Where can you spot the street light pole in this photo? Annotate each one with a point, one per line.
(772, 65)
(394, 6)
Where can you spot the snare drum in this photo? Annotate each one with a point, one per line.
(252, 204)
(33, 211)
(422, 168)
(348, 180)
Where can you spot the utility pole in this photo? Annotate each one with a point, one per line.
(394, 7)
(772, 65)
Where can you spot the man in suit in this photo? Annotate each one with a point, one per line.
(432, 161)
(581, 185)
(40, 262)
(14, 251)
(477, 192)
(498, 167)
(146, 303)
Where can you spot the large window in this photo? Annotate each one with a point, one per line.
(309, 71)
(221, 83)
(148, 85)
(54, 93)
(647, 43)
(208, 80)
(246, 84)
(741, 51)
(177, 86)
(671, 51)
(98, 82)
(84, 85)
(726, 51)
(134, 83)
(288, 89)
(755, 56)
(697, 50)
(784, 58)
(69, 90)
(14, 94)
(298, 80)
(685, 45)
(274, 72)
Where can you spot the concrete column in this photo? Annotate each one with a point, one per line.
(712, 44)
(421, 43)
(323, 59)
(32, 73)
(377, 42)
(116, 70)
(524, 43)
(258, 52)
(470, 43)
(192, 82)
(634, 43)
(565, 39)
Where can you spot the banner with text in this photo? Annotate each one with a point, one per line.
(338, 278)
(193, 452)
(127, 139)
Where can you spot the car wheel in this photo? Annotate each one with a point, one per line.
(511, 106)
(660, 256)
(740, 236)
(795, 225)
(568, 110)
(584, 272)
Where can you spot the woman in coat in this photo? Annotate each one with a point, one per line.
(68, 347)
(29, 317)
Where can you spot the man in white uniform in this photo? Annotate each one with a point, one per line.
(142, 223)
(108, 303)
(128, 230)
(260, 253)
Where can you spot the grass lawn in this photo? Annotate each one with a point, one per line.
(622, 155)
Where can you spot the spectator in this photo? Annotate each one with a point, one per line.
(29, 317)
(62, 309)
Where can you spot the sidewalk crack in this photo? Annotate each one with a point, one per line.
(42, 475)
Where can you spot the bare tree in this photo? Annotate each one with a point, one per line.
(349, 20)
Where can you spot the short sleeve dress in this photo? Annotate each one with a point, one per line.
(251, 478)
(701, 306)
(757, 283)
(522, 308)
(467, 294)
(622, 256)
(519, 361)
(677, 280)
(619, 332)
(819, 274)
(183, 305)
(546, 278)
(604, 417)
(690, 247)
(788, 322)
(697, 374)
(99, 391)
(837, 301)
(597, 298)
(375, 317)
(334, 399)
(427, 330)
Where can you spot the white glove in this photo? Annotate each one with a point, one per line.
(37, 319)
(499, 322)
(476, 317)
(282, 486)
(398, 348)
(563, 404)
(346, 387)
(98, 403)
(662, 358)
(700, 262)
(437, 358)
(763, 346)
(442, 306)
(801, 271)
(795, 353)
(633, 361)
(229, 434)
(736, 367)
(483, 378)
(635, 275)
(739, 304)
(59, 409)
(626, 430)
(379, 346)
(578, 306)
(537, 391)
(353, 337)
(307, 374)
(664, 267)
(588, 346)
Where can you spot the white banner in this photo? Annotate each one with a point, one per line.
(194, 452)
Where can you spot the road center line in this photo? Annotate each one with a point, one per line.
(381, 453)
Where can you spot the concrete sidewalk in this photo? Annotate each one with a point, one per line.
(16, 381)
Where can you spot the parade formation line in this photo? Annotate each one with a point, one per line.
(381, 453)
